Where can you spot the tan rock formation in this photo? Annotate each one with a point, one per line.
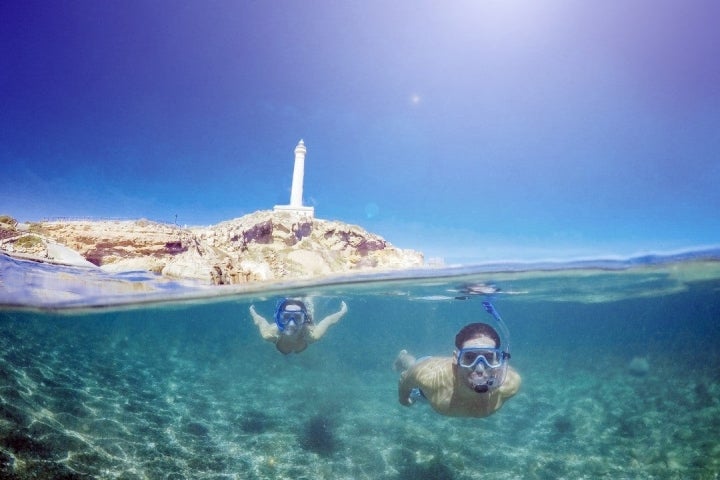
(262, 246)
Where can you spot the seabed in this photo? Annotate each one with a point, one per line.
(180, 390)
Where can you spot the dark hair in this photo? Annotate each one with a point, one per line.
(475, 330)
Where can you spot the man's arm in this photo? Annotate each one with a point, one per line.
(511, 385)
(268, 331)
(407, 383)
(318, 330)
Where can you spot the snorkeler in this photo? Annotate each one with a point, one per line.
(474, 382)
(294, 328)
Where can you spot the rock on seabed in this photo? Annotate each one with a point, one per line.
(261, 246)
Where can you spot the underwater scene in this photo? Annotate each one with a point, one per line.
(620, 369)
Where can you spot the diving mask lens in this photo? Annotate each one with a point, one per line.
(298, 318)
(290, 316)
(485, 368)
(470, 357)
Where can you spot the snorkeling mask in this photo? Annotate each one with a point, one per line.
(487, 365)
(290, 316)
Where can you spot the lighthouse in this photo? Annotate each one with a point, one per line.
(296, 190)
(298, 175)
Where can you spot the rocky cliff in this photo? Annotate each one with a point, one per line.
(262, 246)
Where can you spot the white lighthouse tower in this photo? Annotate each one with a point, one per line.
(296, 191)
(298, 175)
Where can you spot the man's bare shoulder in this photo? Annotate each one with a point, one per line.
(430, 370)
(512, 383)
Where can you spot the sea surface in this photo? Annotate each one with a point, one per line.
(135, 377)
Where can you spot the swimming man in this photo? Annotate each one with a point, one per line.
(474, 382)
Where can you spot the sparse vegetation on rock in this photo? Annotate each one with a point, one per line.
(262, 246)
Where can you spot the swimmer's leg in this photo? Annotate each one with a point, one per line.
(403, 361)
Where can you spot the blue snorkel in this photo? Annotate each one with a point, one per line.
(491, 362)
(489, 308)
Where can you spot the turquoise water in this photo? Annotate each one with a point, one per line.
(187, 389)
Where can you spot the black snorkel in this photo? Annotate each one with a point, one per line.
(481, 388)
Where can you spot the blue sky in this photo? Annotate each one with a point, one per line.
(469, 130)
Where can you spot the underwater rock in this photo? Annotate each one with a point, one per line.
(318, 436)
(7, 463)
(562, 425)
(197, 429)
(20, 442)
(256, 421)
(639, 366)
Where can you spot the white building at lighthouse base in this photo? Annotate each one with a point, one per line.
(300, 211)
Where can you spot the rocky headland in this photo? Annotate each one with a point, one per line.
(262, 246)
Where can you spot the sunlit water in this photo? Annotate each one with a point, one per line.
(183, 388)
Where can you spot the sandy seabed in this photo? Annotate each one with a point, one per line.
(134, 402)
(190, 391)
